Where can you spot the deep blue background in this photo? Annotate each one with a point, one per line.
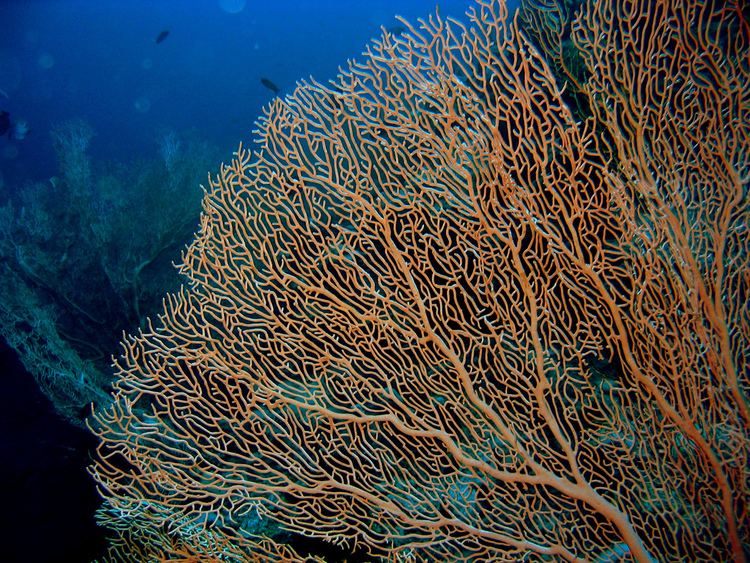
(96, 59)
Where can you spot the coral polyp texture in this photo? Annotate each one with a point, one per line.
(432, 315)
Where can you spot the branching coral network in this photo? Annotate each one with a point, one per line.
(436, 315)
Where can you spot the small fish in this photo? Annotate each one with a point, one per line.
(13, 129)
(270, 85)
(4, 123)
(162, 36)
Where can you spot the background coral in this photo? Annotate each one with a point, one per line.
(86, 255)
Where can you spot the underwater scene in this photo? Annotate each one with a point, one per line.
(411, 281)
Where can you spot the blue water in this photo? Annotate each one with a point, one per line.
(98, 60)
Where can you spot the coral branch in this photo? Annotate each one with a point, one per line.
(435, 316)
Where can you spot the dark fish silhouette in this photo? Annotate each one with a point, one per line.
(162, 36)
(4, 123)
(270, 85)
(15, 130)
